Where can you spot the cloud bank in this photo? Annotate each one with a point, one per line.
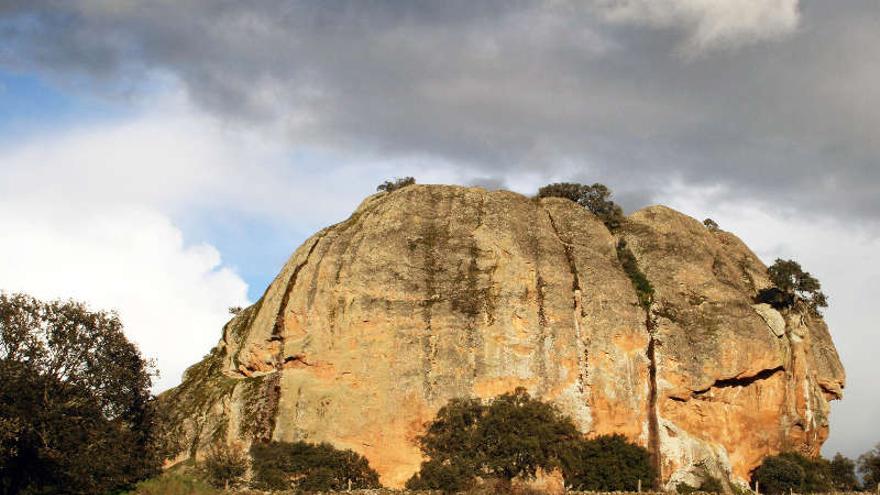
(709, 24)
(778, 105)
(172, 297)
(82, 215)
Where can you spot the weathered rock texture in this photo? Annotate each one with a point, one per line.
(434, 292)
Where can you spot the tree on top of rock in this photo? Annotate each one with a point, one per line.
(792, 283)
(393, 185)
(595, 198)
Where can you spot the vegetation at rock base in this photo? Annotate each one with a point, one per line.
(607, 463)
(514, 436)
(74, 398)
(791, 471)
(708, 485)
(843, 474)
(869, 467)
(225, 465)
(174, 484)
(395, 184)
(309, 467)
(640, 282)
(791, 284)
(596, 198)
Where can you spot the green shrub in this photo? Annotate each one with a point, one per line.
(643, 287)
(710, 484)
(843, 474)
(309, 467)
(448, 477)
(792, 283)
(512, 437)
(712, 225)
(869, 468)
(395, 184)
(791, 471)
(225, 465)
(595, 198)
(607, 463)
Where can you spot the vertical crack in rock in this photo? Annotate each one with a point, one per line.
(477, 300)
(645, 293)
(541, 338)
(274, 382)
(653, 421)
(578, 312)
(432, 236)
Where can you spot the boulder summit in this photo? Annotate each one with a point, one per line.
(429, 293)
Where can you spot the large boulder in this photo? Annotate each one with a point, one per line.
(433, 292)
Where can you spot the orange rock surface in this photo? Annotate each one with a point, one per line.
(434, 292)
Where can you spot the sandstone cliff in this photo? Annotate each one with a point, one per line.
(434, 292)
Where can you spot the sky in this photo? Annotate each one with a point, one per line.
(163, 159)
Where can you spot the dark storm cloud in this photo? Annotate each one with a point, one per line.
(501, 87)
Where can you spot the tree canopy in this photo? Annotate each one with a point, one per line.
(513, 436)
(791, 284)
(74, 400)
(309, 467)
(843, 474)
(607, 463)
(596, 198)
(791, 471)
(869, 467)
(395, 184)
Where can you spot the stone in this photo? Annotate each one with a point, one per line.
(432, 292)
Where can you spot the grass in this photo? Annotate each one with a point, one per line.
(174, 484)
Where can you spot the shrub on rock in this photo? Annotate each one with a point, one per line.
(395, 184)
(595, 198)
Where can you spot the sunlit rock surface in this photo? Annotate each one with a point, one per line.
(434, 292)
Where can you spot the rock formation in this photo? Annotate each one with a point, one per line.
(433, 292)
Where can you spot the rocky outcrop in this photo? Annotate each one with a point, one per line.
(434, 292)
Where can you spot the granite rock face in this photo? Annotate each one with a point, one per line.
(434, 292)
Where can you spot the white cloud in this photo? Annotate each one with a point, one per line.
(87, 214)
(709, 24)
(171, 297)
(91, 213)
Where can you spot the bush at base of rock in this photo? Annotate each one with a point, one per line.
(708, 485)
(607, 463)
(225, 465)
(173, 484)
(791, 471)
(309, 467)
(449, 478)
(869, 468)
(843, 474)
(515, 435)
